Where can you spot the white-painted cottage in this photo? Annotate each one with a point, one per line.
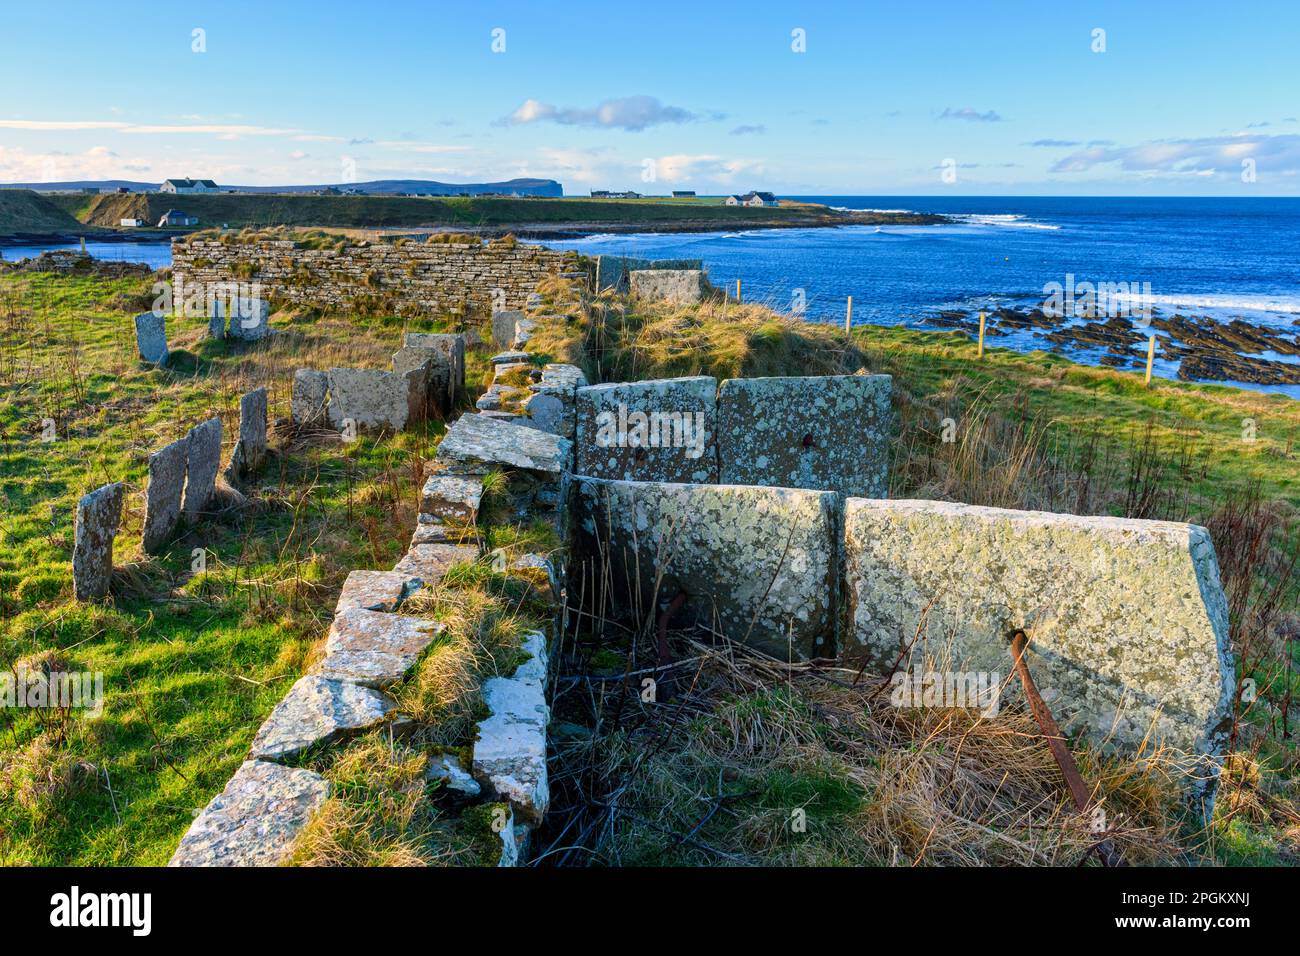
(189, 186)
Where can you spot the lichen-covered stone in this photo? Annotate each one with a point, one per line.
(1127, 619)
(510, 753)
(830, 433)
(451, 348)
(98, 515)
(433, 367)
(151, 337)
(255, 819)
(375, 591)
(310, 388)
(514, 358)
(202, 461)
(451, 496)
(249, 319)
(759, 564)
(678, 286)
(478, 440)
(372, 398)
(446, 769)
(250, 450)
(560, 374)
(657, 430)
(550, 414)
(430, 562)
(319, 710)
(429, 529)
(523, 332)
(162, 494)
(503, 327)
(374, 648)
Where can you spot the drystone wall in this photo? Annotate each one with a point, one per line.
(404, 276)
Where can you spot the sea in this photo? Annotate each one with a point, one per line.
(1222, 258)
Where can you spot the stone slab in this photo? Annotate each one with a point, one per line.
(510, 753)
(162, 494)
(657, 430)
(310, 388)
(451, 496)
(250, 450)
(151, 337)
(429, 529)
(452, 347)
(503, 327)
(373, 398)
(318, 710)
(759, 564)
(432, 366)
(430, 562)
(678, 286)
(99, 514)
(375, 648)
(248, 318)
(479, 440)
(1127, 619)
(830, 433)
(375, 591)
(255, 819)
(202, 461)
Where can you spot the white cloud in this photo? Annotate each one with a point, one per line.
(971, 115)
(632, 113)
(1199, 156)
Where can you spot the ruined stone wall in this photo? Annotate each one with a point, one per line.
(403, 277)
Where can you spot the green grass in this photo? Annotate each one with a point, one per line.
(192, 662)
(22, 210)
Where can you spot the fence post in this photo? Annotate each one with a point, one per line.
(980, 353)
(1151, 357)
(848, 318)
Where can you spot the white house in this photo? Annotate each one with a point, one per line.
(174, 217)
(752, 199)
(133, 223)
(184, 186)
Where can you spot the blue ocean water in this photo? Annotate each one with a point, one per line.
(155, 254)
(1221, 258)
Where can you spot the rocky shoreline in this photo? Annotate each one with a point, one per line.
(1206, 349)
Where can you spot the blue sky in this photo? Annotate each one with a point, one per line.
(1009, 98)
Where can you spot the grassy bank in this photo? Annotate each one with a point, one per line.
(238, 211)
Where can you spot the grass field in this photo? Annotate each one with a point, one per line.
(193, 661)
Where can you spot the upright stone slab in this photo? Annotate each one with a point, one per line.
(503, 327)
(476, 440)
(203, 459)
(678, 286)
(372, 398)
(255, 819)
(248, 318)
(760, 564)
(430, 364)
(250, 450)
(658, 430)
(310, 389)
(151, 337)
(830, 433)
(1127, 619)
(451, 347)
(98, 515)
(510, 752)
(162, 494)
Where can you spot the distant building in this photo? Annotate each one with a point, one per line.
(752, 199)
(174, 217)
(189, 186)
(613, 194)
(683, 193)
(133, 223)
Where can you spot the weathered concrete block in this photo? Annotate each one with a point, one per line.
(255, 819)
(760, 564)
(98, 515)
(1127, 619)
(658, 430)
(162, 494)
(679, 286)
(451, 347)
(318, 710)
(451, 496)
(503, 327)
(375, 591)
(371, 398)
(374, 648)
(248, 318)
(250, 450)
(151, 337)
(310, 389)
(202, 461)
(479, 440)
(830, 433)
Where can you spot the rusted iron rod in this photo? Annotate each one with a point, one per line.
(1104, 849)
